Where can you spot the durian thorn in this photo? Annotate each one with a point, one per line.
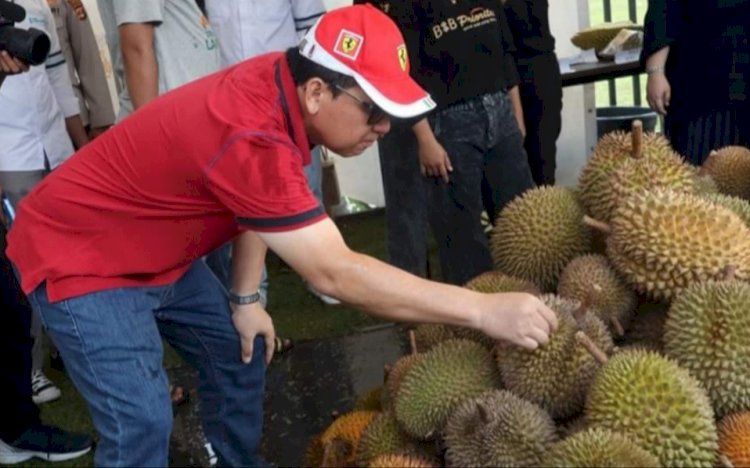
(729, 273)
(725, 462)
(617, 326)
(413, 341)
(591, 347)
(484, 416)
(637, 135)
(596, 224)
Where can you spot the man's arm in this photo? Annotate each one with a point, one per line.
(319, 254)
(515, 99)
(139, 59)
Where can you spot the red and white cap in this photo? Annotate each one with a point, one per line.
(362, 42)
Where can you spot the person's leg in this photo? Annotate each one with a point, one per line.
(113, 354)
(17, 185)
(694, 138)
(455, 208)
(195, 319)
(405, 200)
(506, 167)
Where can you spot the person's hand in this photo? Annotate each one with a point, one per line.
(96, 131)
(250, 321)
(520, 318)
(434, 161)
(78, 9)
(658, 92)
(10, 65)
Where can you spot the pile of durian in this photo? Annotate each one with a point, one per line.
(646, 264)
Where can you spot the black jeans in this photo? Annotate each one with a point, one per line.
(541, 98)
(484, 143)
(17, 411)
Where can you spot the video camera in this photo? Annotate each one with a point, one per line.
(30, 45)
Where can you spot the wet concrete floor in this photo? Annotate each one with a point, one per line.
(303, 387)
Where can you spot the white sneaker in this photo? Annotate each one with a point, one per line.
(42, 388)
(328, 300)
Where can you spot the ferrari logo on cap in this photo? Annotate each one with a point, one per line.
(349, 44)
(403, 57)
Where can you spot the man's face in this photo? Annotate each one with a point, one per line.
(345, 124)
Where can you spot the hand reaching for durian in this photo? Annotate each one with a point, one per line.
(520, 318)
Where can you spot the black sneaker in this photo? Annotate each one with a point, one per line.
(46, 442)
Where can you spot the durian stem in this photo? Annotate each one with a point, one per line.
(617, 326)
(725, 461)
(334, 414)
(596, 224)
(386, 370)
(637, 135)
(588, 300)
(327, 452)
(484, 416)
(729, 273)
(413, 341)
(591, 347)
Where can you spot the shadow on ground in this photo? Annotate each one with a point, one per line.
(303, 387)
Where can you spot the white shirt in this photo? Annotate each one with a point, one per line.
(247, 28)
(34, 105)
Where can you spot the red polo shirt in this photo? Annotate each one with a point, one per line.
(177, 179)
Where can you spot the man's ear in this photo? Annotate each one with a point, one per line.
(314, 91)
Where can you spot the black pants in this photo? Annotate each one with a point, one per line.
(483, 142)
(17, 411)
(694, 138)
(541, 98)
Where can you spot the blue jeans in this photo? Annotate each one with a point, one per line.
(111, 343)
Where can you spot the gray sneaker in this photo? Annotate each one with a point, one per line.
(42, 388)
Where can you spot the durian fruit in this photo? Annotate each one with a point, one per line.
(434, 386)
(384, 436)
(612, 151)
(348, 428)
(730, 169)
(708, 333)
(336, 453)
(370, 400)
(637, 175)
(402, 461)
(537, 234)
(737, 205)
(314, 452)
(734, 439)
(599, 36)
(614, 300)
(704, 184)
(656, 404)
(662, 242)
(571, 426)
(427, 335)
(498, 282)
(397, 372)
(498, 429)
(598, 448)
(556, 376)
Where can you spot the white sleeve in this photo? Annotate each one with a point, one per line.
(306, 13)
(57, 70)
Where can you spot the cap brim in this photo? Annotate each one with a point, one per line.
(401, 98)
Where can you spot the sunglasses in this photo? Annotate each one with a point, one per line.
(374, 113)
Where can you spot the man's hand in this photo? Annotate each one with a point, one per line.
(520, 318)
(96, 131)
(10, 65)
(658, 92)
(250, 321)
(434, 160)
(78, 9)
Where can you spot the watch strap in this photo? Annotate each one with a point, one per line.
(244, 300)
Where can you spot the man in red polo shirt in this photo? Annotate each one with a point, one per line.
(107, 246)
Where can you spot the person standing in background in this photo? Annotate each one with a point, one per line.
(78, 45)
(540, 86)
(697, 58)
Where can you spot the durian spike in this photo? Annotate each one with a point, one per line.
(591, 347)
(617, 326)
(637, 135)
(413, 341)
(596, 224)
(729, 272)
(725, 462)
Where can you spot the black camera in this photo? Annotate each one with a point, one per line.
(30, 45)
